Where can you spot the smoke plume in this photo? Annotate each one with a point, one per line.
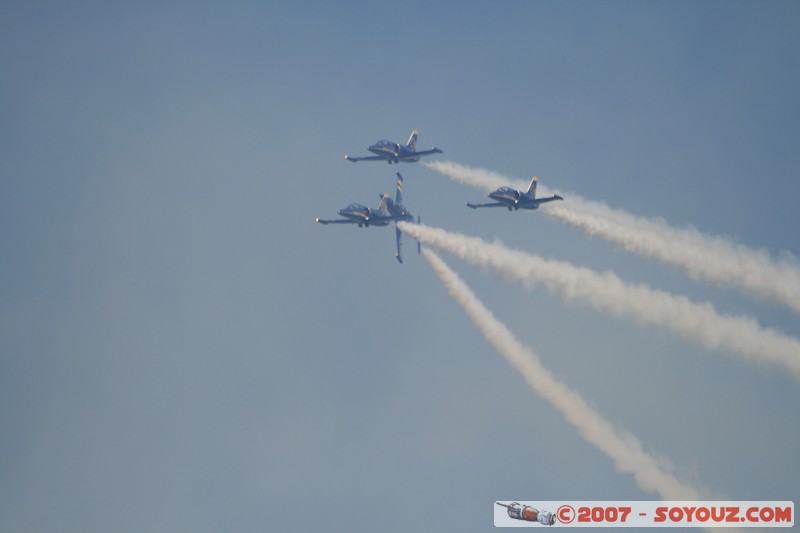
(697, 322)
(624, 449)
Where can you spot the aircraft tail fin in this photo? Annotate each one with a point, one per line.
(383, 207)
(532, 186)
(419, 245)
(398, 234)
(412, 141)
(399, 197)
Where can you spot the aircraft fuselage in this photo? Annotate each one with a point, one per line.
(393, 153)
(515, 199)
(367, 217)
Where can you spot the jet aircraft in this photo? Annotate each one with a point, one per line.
(388, 211)
(514, 199)
(392, 152)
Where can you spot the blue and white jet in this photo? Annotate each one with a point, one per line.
(392, 152)
(388, 211)
(514, 199)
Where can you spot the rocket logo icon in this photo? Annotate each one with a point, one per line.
(528, 513)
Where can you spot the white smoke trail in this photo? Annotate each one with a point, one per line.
(624, 449)
(704, 257)
(698, 322)
(480, 178)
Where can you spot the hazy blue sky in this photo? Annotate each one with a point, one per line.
(183, 349)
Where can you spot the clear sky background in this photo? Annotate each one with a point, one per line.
(183, 349)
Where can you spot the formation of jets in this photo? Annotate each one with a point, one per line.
(389, 210)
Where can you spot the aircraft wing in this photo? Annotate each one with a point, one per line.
(493, 204)
(416, 155)
(365, 158)
(550, 199)
(393, 218)
(337, 221)
(428, 152)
